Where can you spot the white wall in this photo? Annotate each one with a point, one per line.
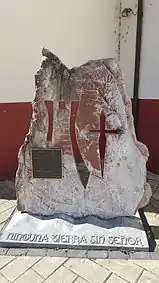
(128, 44)
(149, 72)
(149, 75)
(76, 30)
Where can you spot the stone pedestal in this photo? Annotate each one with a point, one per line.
(63, 232)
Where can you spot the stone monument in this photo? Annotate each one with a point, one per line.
(92, 203)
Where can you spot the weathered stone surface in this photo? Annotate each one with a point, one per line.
(98, 88)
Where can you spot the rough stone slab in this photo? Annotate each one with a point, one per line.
(37, 252)
(97, 254)
(118, 187)
(140, 256)
(90, 233)
(119, 255)
(17, 252)
(3, 251)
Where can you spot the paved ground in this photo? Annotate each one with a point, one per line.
(19, 268)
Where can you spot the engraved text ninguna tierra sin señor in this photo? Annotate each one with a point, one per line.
(75, 239)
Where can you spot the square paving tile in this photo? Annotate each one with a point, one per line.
(30, 276)
(124, 269)
(88, 270)
(48, 265)
(62, 275)
(17, 267)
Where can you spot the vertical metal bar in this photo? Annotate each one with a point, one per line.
(137, 63)
(119, 32)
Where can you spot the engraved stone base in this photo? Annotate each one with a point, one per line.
(92, 233)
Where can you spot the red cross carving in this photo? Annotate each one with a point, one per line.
(76, 151)
(102, 138)
(102, 130)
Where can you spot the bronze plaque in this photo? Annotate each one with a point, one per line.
(47, 163)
